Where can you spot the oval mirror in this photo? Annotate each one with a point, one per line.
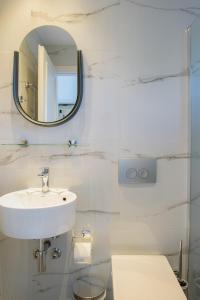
(47, 76)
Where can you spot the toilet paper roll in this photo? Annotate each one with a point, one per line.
(82, 252)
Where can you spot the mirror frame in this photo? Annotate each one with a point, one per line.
(77, 103)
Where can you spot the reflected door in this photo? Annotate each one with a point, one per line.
(47, 101)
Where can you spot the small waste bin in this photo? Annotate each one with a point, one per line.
(90, 288)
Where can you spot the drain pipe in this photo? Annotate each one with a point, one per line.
(41, 253)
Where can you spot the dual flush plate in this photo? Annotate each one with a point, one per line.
(137, 171)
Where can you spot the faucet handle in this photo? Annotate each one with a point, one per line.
(44, 172)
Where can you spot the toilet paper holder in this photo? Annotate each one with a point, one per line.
(84, 236)
(82, 244)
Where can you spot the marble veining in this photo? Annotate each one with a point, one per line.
(9, 112)
(100, 77)
(162, 211)
(100, 212)
(40, 289)
(9, 159)
(97, 154)
(140, 217)
(71, 18)
(95, 285)
(44, 290)
(157, 78)
(97, 69)
(172, 156)
(75, 270)
(191, 10)
(194, 198)
(5, 85)
(23, 152)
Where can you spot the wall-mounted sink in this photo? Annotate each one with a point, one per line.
(33, 214)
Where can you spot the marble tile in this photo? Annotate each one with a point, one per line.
(135, 104)
(146, 103)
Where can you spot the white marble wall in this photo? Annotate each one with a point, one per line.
(135, 104)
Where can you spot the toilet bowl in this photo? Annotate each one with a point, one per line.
(144, 277)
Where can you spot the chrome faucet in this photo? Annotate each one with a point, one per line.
(45, 179)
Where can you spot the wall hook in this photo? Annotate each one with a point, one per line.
(72, 143)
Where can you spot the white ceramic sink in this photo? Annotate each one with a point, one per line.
(32, 214)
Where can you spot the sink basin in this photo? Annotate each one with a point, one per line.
(32, 214)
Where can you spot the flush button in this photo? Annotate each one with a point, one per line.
(133, 171)
(143, 173)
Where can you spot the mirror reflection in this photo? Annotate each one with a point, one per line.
(47, 74)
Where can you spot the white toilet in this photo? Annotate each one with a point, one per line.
(144, 277)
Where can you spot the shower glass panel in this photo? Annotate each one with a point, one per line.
(194, 256)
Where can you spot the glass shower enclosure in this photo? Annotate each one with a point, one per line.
(194, 250)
